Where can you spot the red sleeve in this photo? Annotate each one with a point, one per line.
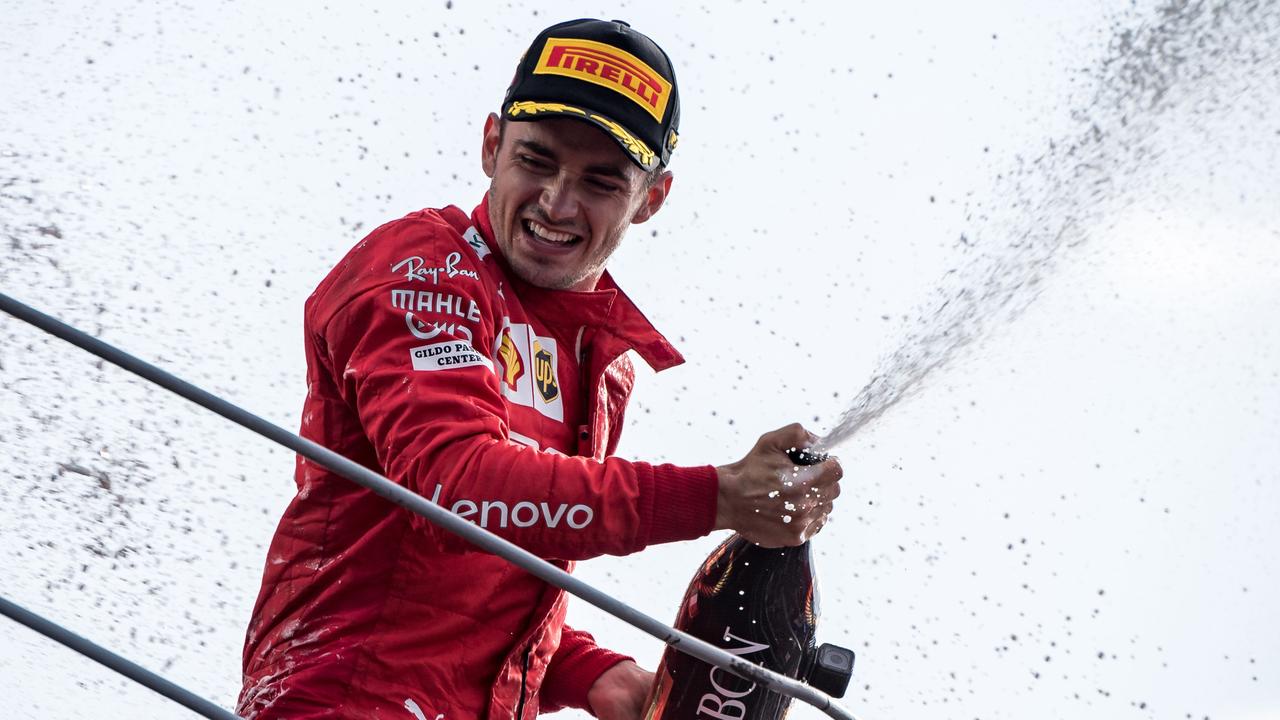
(441, 429)
(573, 669)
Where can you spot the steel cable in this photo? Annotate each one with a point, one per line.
(125, 667)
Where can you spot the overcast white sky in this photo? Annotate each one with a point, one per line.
(1077, 518)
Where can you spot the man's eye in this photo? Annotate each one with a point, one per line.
(602, 186)
(532, 162)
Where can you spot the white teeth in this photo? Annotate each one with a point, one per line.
(547, 234)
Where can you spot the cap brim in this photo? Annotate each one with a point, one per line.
(636, 149)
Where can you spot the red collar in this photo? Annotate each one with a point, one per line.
(606, 308)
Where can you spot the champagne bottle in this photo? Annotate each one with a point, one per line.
(760, 604)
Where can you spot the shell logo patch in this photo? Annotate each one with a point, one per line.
(509, 360)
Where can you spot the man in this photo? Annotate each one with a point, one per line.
(481, 361)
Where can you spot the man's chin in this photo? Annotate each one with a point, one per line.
(542, 276)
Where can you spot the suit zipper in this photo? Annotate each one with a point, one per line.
(524, 675)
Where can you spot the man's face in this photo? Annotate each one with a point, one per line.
(561, 197)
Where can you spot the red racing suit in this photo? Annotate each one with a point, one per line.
(430, 362)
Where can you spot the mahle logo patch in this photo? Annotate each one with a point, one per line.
(544, 373)
(606, 66)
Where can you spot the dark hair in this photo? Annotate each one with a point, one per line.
(650, 176)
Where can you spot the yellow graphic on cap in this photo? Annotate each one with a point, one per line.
(633, 144)
(606, 66)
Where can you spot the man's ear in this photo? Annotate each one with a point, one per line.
(489, 146)
(654, 196)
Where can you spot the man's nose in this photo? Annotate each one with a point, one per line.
(558, 199)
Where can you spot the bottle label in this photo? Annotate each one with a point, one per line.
(725, 699)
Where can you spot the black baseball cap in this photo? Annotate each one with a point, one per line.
(607, 74)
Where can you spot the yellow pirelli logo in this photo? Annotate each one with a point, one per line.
(609, 67)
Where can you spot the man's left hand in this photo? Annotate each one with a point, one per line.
(620, 693)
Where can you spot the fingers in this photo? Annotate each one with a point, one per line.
(796, 526)
(803, 480)
(769, 498)
(787, 437)
(820, 522)
(812, 497)
(800, 509)
(819, 493)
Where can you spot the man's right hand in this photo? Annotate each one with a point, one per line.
(771, 501)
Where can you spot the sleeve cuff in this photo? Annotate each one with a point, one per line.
(681, 503)
(573, 677)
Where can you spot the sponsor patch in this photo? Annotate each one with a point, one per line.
(456, 312)
(544, 373)
(414, 708)
(510, 366)
(447, 355)
(427, 301)
(523, 514)
(415, 268)
(609, 67)
(477, 243)
(527, 368)
(424, 330)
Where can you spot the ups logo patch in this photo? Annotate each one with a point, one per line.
(544, 373)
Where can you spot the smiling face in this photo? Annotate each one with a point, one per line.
(562, 196)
